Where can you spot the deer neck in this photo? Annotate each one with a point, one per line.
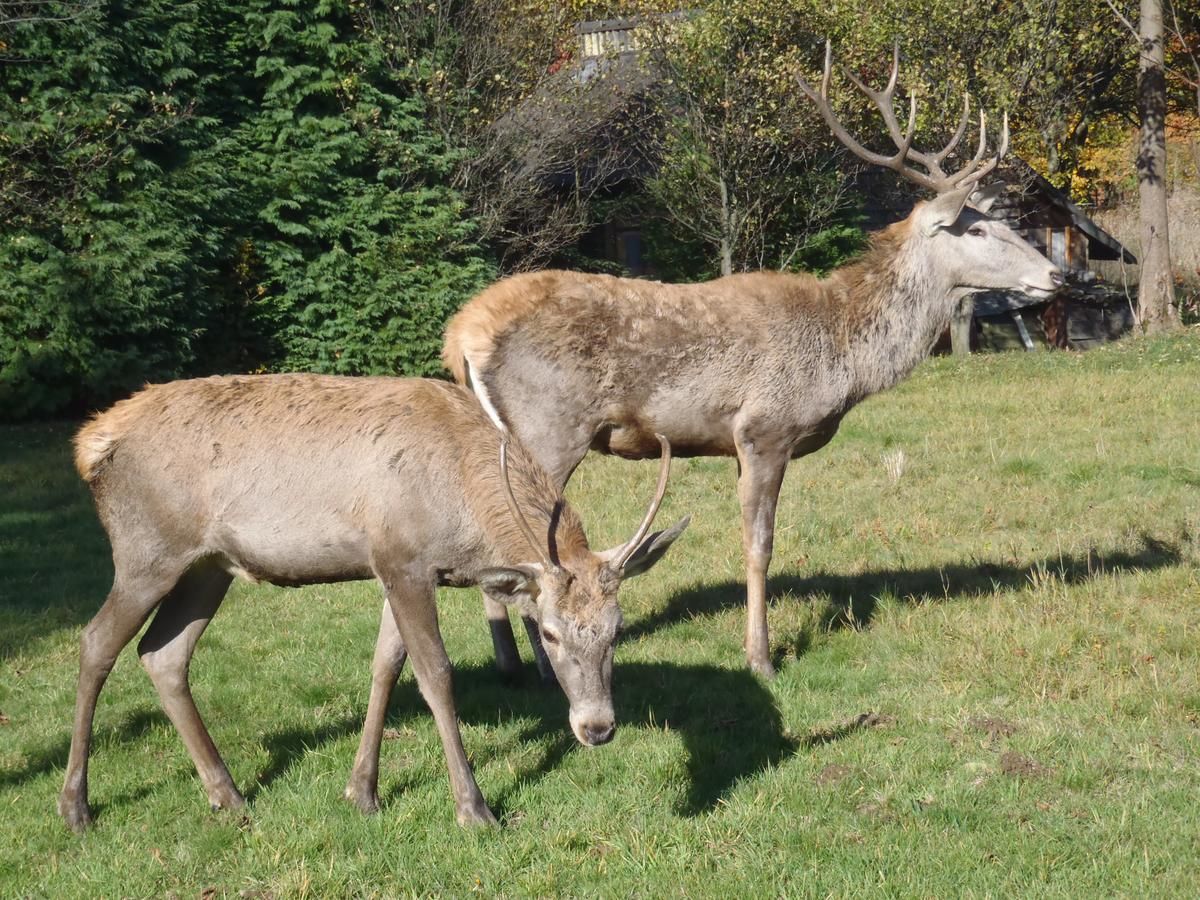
(539, 502)
(894, 304)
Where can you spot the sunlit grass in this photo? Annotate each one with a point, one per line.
(1016, 611)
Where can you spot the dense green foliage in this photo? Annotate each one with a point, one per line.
(192, 187)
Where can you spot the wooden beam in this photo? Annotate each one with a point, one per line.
(960, 326)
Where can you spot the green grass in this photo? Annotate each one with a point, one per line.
(1017, 610)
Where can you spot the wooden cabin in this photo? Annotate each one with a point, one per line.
(1087, 311)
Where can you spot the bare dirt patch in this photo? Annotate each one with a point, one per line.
(876, 810)
(1017, 765)
(995, 727)
(832, 774)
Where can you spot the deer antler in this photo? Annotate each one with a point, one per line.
(934, 177)
(664, 472)
(521, 521)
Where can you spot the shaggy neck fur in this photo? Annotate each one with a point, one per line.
(889, 308)
(538, 500)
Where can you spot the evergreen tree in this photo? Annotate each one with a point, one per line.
(189, 187)
(363, 250)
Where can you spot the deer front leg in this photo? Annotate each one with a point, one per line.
(508, 658)
(363, 787)
(412, 604)
(760, 475)
(545, 670)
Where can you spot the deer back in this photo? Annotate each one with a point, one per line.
(303, 477)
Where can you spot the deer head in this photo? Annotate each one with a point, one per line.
(980, 253)
(574, 602)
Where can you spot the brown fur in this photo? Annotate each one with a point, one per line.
(304, 479)
(842, 305)
(762, 366)
(473, 330)
(397, 413)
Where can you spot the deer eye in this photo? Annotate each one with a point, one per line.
(549, 636)
(976, 231)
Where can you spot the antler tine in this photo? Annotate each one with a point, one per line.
(935, 178)
(941, 155)
(827, 73)
(970, 174)
(664, 471)
(963, 175)
(520, 519)
(883, 101)
(891, 85)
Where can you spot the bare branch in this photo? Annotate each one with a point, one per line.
(24, 11)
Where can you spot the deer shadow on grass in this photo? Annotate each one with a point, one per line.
(727, 719)
(54, 757)
(852, 598)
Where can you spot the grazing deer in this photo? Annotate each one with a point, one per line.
(304, 479)
(759, 366)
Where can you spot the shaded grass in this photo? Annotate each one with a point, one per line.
(989, 679)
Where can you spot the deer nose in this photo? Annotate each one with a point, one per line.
(1056, 278)
(598, 734)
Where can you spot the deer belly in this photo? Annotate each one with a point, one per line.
(691, 432)
(283, 555)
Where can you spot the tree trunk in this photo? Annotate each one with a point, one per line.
(726, 231)
(1156, 288)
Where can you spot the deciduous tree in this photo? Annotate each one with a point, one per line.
(1156, 285)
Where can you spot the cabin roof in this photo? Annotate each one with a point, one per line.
(1034, 190)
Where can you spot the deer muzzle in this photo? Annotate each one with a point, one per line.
(593, 727)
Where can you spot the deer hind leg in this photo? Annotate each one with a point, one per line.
(545, 670)
(412, 604)
(508, 658)
(504, 643)
(760, 477)
(363, 787)
(166, 653)
(129, 604)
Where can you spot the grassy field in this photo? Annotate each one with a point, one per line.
(986, 613)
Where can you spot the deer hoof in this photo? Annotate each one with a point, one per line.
(226, 798)
(75, 813)
(365, 798)
(763, 669)
(477, 815)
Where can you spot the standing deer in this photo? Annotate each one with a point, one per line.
(304, 479)
(759, 366)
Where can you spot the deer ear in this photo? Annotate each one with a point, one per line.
(944, 210)
(652, 548)
(516, 584)
(983, 198)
